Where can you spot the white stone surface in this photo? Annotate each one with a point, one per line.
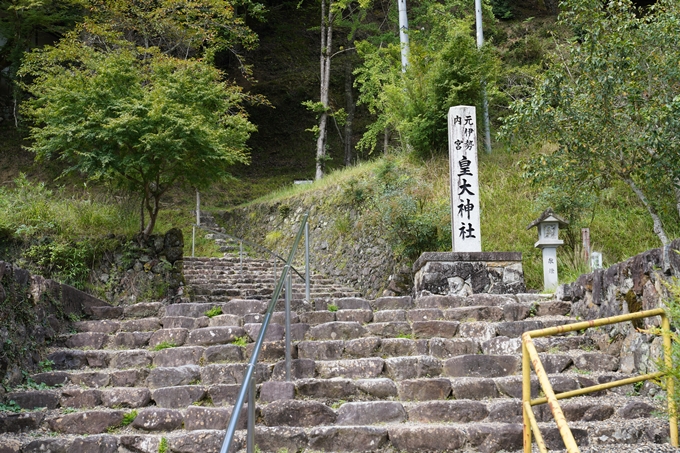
(464, 176)
(549, 267)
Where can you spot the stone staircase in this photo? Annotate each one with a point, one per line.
(439, 373)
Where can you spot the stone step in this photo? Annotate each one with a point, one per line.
(204, 431)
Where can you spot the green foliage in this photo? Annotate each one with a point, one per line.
(10, 406)
(45, 365)
(608, 106)
(240, 341)
(164, 345)
(135, 116)
(128, 418)
(163, 445)
(215, 311)
(445, 69)
(332, 308)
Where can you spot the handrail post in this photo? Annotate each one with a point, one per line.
(288, 295)
(670, 385)
(193, 240)
(250, 441)
(307, 290)
(526, 396)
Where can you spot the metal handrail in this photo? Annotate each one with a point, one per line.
(248, 384)
(530, 357)
(252, 244)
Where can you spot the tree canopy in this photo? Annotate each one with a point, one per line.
(609, 103)
(139, 117)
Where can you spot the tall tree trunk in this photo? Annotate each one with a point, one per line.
(153, 214)
(350, 108)
(658, 226)
(676, 192)
(386, 140)
(325, 68)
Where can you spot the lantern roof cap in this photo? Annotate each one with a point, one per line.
(548, 216)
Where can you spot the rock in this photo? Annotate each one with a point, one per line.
(353, 368)
(553, 439)
(441, 302)
(274, 332)
(426, 438)
(473, 388)
(378, 388)
(17, 423)
(392, 303)
(299, 369)
(360, 316)
(444, 348)
(597, 413)
(297, 413)
(390, 329)
(595, 361)
(636, 409)
(142, 310)
(460, 411)
(214, 335)
(317, 317)
(168, 377)
(321, 350)
(515, 329)
(104, 326)
(389, 316)
(244, 307)
(204, 441)
(174, 357)
(178, 397)
(508, 411)
(80, 398)
(225, 320)
(196, 418)
(125, 397)
(396, 347)
(280, 438)
(67, 360)
(46, 446)
(91, 422)
(33, 399)
(479, 331)
(192, 310)
(430, 329)
(424, 389)
(512, 386)
(139, 444)
(399, 368)
(158, 419)
(326, 388)
(276, 390)
(130, 359)
(128, 378)
(336, 331)
(233, 373)
(355, 438)
(223, 353)
(223, 395)
(140, 325)
(362, 347)
(130, 340)
(494, 438)
(175, 337)
(95, 444)
(481, 366)
(424, 314)
(90, 340)
(502, 346)
(371, 413)
(52, 378)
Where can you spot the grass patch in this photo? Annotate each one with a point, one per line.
(163, 445)
(215, 311)
(164, 345)
(10, 406)
(129, 418)
(240, 341)
(332, 308)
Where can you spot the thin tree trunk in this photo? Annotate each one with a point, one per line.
(676, 191)
(325, 63)
(141, 214)
(386, 140)
(350, 108)
(658, 226)
(153, 215)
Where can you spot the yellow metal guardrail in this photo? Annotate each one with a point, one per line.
(530, 357)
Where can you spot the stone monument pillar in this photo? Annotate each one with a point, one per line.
(467, 270)
(548, 225)
(464, 176)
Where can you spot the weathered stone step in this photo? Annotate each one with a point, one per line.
(487, 437)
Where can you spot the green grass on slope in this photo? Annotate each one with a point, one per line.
(410, 202)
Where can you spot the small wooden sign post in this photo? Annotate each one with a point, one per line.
(465, 225)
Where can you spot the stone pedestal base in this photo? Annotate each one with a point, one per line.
(464, 274)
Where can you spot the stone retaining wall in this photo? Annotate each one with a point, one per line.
(636, 284)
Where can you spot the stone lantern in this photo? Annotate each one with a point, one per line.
(548, 225)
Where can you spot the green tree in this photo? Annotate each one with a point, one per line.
(22, 22)
(445, 69)
(609, 106)
(136, 116)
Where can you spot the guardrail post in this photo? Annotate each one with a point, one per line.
(670, 385)
(307, 290)
(193, 240)
(288, 295)
(250, 441)
(526, 396)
